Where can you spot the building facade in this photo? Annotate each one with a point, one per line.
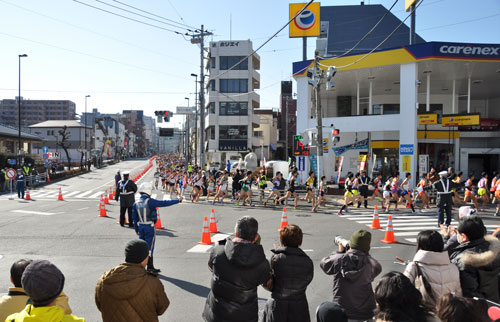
(230, 118)
(35, 111)
(287, 118)
(265, 136)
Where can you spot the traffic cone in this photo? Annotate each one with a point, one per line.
(48, 178)
(114, 191)
(158, 220)
(110, 193)
(205, 235)
(284, 219)
(28, 197)
(102, 209)
(213, 223)
(389, 233)
(60, 197)
(106, 200)
(375, 221)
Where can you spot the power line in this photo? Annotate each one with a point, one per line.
(461, 22)
(176, 11)
(138, 14)
(96, 33)
(128, 18)
(154, 15)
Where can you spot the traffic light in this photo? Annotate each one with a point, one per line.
(165, 115)
(335, 135)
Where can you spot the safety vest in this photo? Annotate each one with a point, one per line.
(262, 180)
(144, 212)
(26, 170)
(190, 168)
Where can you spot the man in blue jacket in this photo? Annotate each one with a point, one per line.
(144, 216)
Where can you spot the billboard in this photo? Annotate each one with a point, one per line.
(460, 119)
(426, 119)
(307, 24)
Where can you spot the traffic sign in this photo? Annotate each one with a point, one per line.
(11, 173)
(45, 156)
(301, 164)
(184, 110)
(45, 149)
(56, 155)
(12, 161)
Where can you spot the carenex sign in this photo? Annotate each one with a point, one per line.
(455, 51)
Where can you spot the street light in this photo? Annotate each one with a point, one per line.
(86, 157)
(195, 118)
(19, 110)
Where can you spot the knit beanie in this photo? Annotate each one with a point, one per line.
(136, 251)
(361, 240)
(329, 312)
(43, 282)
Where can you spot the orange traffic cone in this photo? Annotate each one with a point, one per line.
(284, 219)
(389, 233)
(213, 223)
(60, 197)
(375, 221)
(106, 200)
(110, 196)
(205, 235)
(48, 178)
(28, 197)
(102, 209)
(114, 191)
(126, 221)
(158, 220)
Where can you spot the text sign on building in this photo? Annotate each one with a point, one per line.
(233, 145)
(406, 163)
(423, 163)
(406, 149)
(301, 163)
(325, 145)
(426, 119)
(307, 24)
(299, 148)
(184, 110)
(460, 119)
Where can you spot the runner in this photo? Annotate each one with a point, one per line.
(456, 196)
(422, 194)
(310, 184)
(321, 192)
(469, 191)
(157, 178)
(497, 197)
(275, 192)
(395, 191)
(291, 191)
(262, 183)
(377, 192)
(405, 191)
(350, 195)
(211, 187)
(246, 190)
(222, 184)
(482, 190)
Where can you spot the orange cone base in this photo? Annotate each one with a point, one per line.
(389, 239)
(158, 224)
(283, 225)
(213, 228)
(102, 213)
(60, 198)
(376, 225)
(28, 196)
(206, 242)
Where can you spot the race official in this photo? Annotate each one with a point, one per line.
(118, 177)
(444, 188)
(20, 183)
(364, 181)
(144, 219)
(125, 192)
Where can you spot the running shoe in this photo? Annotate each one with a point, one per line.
(339, 213)
(265, 204)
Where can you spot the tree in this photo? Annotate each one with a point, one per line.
(64, 143)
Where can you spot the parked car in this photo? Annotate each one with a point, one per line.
(234, 165)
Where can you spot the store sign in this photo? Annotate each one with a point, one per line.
(406, 149)
(460, 119)
(362, 157)
(406, 163)
(307, 24)
(484, 125)
(233, 145)
(469, 50)
(426, 119)
(325, 145)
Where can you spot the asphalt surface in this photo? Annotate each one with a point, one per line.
(84, 246)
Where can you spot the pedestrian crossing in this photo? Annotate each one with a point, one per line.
(406, 225)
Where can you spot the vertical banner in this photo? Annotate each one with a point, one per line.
(373, 165)
(313, 162)
(406, 163)
(341, 160)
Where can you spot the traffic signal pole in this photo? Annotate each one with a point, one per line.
(319, 115)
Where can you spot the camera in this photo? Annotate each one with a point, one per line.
(342, 241)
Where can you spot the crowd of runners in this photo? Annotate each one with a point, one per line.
(243, 187)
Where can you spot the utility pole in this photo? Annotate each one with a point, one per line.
(195, 117)
(286, 129)
(318, 74)
(413, 37)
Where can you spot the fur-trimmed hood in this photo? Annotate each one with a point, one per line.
(474, 256)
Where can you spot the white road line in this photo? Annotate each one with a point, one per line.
(83, 208)
(85, 194)
(200, 249)
(409, 233)
(96, 195)
(430, 224)
(37, 212)
(411, 240)
(72, 193)
(432, 220)
(153, 196)
(312, 250)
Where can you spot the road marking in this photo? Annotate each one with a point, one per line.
(72, 193)
(218, 237)
(310, 250)
(380, 247)
(200, 249)
(83, 208)
(98, 194)
(37, 212)
(85, 194)
(411, 240)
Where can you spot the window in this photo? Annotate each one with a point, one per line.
(212, 85)
(211, 132)
(344, 105)
(233, 108)
(226, 62)
(233, 85)
(258, 134)
(233, 132)
(434, 109)
(212, 62)
(211, 108)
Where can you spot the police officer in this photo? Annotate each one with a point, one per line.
(444, 187)
(144, 219)
(20, 183)
(126, 190)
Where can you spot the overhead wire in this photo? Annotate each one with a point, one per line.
(128, 18)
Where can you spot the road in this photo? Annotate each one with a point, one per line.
(83, 246)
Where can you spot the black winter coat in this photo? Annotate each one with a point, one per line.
(238, 269)
(292, 271)
(479, 263)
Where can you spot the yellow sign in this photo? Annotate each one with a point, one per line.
(362, 157)
(406, 163)
(325, 144)
(460, 120)
(425, 119)
(307, 24)
(409, 3)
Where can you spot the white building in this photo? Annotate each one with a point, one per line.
(110, 134)
(50, 132)
(230, 118)
(150, 133)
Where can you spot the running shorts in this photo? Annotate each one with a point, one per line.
(481, 192)
(386, 194)
(497, 194)
(244, 187)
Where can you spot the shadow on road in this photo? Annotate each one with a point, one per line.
(165, 233)
(196, 289)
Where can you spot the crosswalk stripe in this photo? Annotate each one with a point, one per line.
(84, 195)
(72, 193)
(400, 221)
(96, 195)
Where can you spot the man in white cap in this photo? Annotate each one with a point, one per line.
(144, 219)
(125, 192)
(444, 187)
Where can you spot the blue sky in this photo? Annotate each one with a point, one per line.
(75, 50)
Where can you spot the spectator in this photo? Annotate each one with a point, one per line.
(398, 300)
(16, 299)
(450, 233)
(353, 273)
(292, 270)
(431, 271)
(477, 260)
(330, 312)
(239, 266)
(43, 282)
(128, 292)
(457, 309)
